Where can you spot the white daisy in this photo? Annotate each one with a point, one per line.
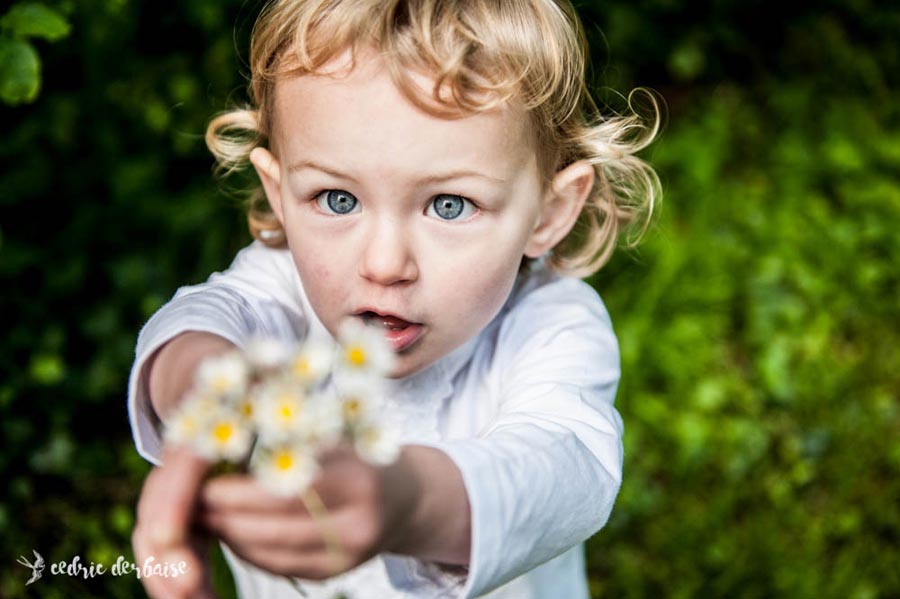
(286, 469)
(225, 437)
(190, 417)
(245, 406)
(364, 349)
(326, 423)
(361, 399)
(183, 426)
(226, 375)
(281, 411)
(377, 444)
(312, 362)
(267, 354)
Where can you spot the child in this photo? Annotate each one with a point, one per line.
(439, 170)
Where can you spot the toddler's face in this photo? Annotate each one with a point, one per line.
(412, 222)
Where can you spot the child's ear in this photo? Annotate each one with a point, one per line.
(562, 205)
(269, 172)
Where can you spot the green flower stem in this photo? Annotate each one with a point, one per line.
(318, 511)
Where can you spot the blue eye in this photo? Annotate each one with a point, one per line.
(449, 207)
(336, 201)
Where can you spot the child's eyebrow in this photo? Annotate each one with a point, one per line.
(302, 164)
(434, 178)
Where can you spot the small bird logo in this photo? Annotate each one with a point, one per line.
(36, 568)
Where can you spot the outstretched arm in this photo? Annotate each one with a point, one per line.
(402, 508)
(544, 472)
(254, 296)
(172, 367)
(166, 507)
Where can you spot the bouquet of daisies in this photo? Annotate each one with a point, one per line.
(281, 406)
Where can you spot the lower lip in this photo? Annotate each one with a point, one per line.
(404, 338)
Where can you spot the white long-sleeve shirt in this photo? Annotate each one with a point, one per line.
(524, 409)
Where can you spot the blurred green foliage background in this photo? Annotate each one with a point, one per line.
(759, 321)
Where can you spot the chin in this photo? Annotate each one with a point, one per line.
(403, 372)
(404, 368)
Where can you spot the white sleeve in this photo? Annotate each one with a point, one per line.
(253, 297)
(544, 475)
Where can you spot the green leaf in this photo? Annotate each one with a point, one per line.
(35, 20)
(47, 369)
(55, 456)
(687, 62)
(20, 72)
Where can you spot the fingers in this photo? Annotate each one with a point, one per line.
(278, 534)
(162, 532)
(194, 582)
(296, 546)
(238, 492)
(142, 550)
(316, 565)
(173, 495)
(274, 532)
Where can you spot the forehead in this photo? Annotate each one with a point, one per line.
(359, 111)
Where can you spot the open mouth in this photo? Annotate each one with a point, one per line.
(400, 333)
(391, 323)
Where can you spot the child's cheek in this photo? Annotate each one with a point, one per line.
(484, 288)
(316, 273)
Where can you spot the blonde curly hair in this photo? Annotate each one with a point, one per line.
(486, 52)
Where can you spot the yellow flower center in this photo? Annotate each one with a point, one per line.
(284, 461)
(247, 409)
(352, 408)
(288, 406)
(221, 383)
(356, 355)
(223, 431)
(301, 367)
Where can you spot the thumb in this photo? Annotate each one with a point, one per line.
(163, 529)
(173, 494)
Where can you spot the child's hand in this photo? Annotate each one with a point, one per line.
(163, 532)
(366, 507)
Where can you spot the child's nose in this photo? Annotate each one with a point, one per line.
(388, 257)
